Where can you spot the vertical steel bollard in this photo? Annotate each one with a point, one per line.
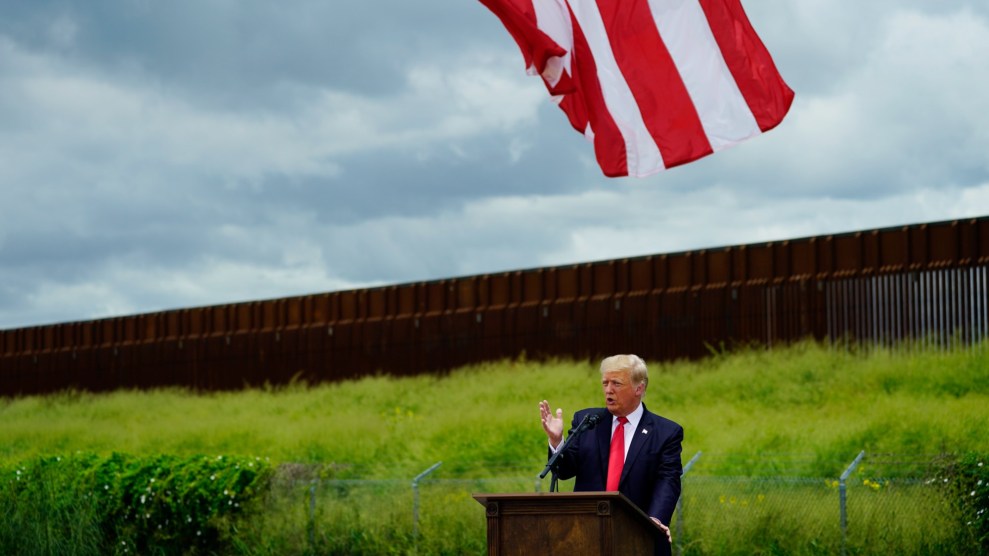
(679, 526)
(842, 503)
(415, 504)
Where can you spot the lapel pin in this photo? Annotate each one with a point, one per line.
(644, 431)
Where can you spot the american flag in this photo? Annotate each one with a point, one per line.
(653, 83)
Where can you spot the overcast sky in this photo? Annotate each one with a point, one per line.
(156, 155)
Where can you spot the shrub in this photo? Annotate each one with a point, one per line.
(123, 504)
(973, 481)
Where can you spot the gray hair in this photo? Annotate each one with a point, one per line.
(631, 363)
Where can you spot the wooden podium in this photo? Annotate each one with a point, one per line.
(568, 524)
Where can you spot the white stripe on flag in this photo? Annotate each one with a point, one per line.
(643, 157)
(724, 114)
(553, 18)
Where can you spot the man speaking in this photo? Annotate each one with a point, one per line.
(638, 454)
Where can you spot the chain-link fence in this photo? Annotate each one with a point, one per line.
(305, 513)
(874, 505)
(786, 515)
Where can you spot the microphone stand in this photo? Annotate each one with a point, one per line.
(586, 423)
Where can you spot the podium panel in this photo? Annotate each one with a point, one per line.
(568, 523)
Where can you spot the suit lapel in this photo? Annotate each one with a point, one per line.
(639, 438)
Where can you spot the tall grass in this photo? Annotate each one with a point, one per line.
(801, 411)
(806, 399)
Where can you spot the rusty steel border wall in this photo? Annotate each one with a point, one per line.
(926, 282)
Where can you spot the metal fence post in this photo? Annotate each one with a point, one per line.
(415, 503)
(312, 513)
(679, 525)
(841, 500)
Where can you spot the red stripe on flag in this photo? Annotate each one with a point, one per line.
(652, 76)
(576, 110)
(519, 17)
(768, 96)
(609, 145)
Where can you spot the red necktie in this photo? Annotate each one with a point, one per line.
(616, 458)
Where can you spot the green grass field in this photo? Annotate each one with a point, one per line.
(806, 399)
(804, 411)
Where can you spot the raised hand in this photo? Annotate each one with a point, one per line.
(552, 424)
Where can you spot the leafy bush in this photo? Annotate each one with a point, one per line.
(973, 479)
(123, 504)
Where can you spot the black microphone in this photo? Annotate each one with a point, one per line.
(593, 420)
(589, 422)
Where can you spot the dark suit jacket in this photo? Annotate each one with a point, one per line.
(651, 475)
